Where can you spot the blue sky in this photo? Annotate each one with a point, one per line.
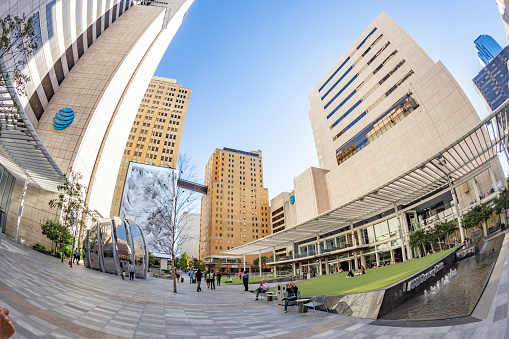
(253, 64)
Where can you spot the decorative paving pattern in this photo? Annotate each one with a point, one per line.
(49, 299)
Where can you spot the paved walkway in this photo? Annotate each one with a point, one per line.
(49, 299)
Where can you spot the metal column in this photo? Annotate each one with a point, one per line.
(274, 257)
(398, 214)
(260, 262)
(458, 211)
(20, 211)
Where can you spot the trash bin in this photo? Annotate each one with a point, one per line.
(280, 291)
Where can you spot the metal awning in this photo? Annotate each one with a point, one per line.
(471, 151)
(22, 152)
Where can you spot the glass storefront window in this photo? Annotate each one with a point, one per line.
(393, 227)
(381, 231)
(371, 234)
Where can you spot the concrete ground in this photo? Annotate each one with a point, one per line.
(49, 299)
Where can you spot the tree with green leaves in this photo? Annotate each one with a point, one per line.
(418, 239)
(183, 260)
(502, 202)
(18, 41)
(71, 203)
(52, 229)
(198, 264)
(256, 263)
(477, 215)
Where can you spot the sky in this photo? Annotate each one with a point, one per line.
(252, 64)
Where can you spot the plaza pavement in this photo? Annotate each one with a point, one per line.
(49, 299)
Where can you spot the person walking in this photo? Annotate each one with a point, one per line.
(124, 268)
(198, 280)
(207, 278)
(218, 275)
(131, 270)
(291, 295)
(245, 280)
(212, 281)
(191, 276)
(77, 255)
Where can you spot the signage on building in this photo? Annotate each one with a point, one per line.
(63, 118)
(234, 266)
(423, 277)
(292, 199)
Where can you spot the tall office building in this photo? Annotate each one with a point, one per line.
(400, 148)
(154, 138)
(503, 8)
(487, 48)
(235, 210)
(88, 76)
(493, 80)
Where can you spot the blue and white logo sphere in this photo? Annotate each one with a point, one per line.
(63, 118)
(292, 199)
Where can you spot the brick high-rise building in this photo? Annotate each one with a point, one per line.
(236, 209)
(154, 138)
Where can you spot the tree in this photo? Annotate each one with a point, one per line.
(477, 215)
(183, 260)
(256, 263)
(18, 41)
(52, 229)
(71, 202)
(418, 239)
(198, 264)
(168, 223)
(502, 202)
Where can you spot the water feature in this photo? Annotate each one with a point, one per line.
(456, 291)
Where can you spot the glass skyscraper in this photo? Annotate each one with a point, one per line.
(487, 48)
(492, 81)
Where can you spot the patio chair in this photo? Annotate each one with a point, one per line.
(315, 302)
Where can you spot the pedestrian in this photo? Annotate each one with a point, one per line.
(245, 280)
(124, 268)
(212, 281)
(263, 288)
(291, 294)
(228, 275)
(207, 278)
(131, 271)
(240, 274)
(177, 272)
(198, 280)
(6, 326)
(218, 275)
(191, 276)
(77, 255)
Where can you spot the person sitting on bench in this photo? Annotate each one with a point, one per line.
(291, 295)
(263, 288)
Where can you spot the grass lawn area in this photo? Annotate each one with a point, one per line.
(374, 278)
(237, 280)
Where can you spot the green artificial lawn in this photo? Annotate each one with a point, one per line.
(374, 278)
(237, 280)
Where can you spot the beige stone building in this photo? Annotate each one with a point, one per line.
(400, 148)
(155, 135)
(95, 58)
(235, 210)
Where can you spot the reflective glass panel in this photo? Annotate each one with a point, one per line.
(107, 244)
(139, 250)
(94, 248)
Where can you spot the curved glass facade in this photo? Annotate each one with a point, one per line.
(113, 240)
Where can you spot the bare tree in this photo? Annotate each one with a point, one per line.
(168, 222)
(18, 41)
(71, 202)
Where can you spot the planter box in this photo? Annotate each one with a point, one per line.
(41, 250)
